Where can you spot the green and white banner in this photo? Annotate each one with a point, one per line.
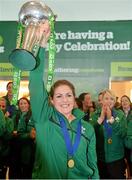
(88, 53)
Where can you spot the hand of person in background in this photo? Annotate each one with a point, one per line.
(15, 133)
(103, 114)
(108, 112)
(7, 114)
(33, 133)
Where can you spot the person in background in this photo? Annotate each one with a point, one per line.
(5, 138)
(100, 95)
(78, 103)
(110, 128)
(128, 144)
(23, 143)
(117, 104)
(9, 107)
(92, 108)
(56, 123)
(85, 98)
(9, 94)
(126, 107)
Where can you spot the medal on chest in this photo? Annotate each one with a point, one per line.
(70, 147)
(70, 163)
(109, 141)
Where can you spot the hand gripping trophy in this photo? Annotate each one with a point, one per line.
(36, 23)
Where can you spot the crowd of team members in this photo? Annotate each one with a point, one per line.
(112, 121)
(17, 137)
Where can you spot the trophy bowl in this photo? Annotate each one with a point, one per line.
(31, 15)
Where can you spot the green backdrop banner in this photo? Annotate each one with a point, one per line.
(89, 53)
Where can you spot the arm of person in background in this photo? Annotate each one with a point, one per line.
(128, 139)
(2, 123)
(9, 127)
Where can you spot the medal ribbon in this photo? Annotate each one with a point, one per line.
(71, 148)
(107, 127)
(17, 72)
(52, 51)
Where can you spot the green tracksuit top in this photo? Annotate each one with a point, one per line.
(6, 129)
(51, 153)
(2, 123)
(128, 139)
(26, 143)
(110, 152)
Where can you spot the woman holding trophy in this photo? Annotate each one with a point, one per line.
(65, 142)
(63, 149)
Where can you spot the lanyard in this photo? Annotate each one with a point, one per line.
(71, 148)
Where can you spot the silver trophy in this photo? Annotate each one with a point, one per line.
(31, 15)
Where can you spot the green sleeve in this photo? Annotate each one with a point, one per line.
(2, 123)
(92, 157)
(38, 92)
(128, 139)
(9, 126)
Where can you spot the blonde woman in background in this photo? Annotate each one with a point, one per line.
(110, 129)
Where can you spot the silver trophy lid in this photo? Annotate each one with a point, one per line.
(34, 12)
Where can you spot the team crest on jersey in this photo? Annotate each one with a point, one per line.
(83, 130)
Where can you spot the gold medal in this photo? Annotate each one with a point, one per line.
(109, 141)
(71, 163)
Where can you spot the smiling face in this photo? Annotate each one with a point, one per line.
(108, 99)
(3, 104)
(63, 100)
(125, 102)
(9, 88)
(23, 105)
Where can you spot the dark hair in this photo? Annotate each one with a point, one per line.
(82, 96)
(60, 83)
(126, 97)
(24, 98)
(93, 104)
(79, 103)
(10, 82)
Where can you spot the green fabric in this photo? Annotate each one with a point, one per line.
(6, 129)
(129, 134)
(2, 122)
(51, 153)
(115, 151)
(128, 139)
(23, 128)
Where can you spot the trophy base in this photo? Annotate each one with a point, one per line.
(22, 59)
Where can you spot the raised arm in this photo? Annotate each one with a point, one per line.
(38, 93)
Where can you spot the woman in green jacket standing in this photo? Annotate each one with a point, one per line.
(23, 142)
(6, 129)
(65, 143)
(110, 129)
(126, 107)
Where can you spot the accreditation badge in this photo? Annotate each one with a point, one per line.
(109, 141)
(70, 163)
